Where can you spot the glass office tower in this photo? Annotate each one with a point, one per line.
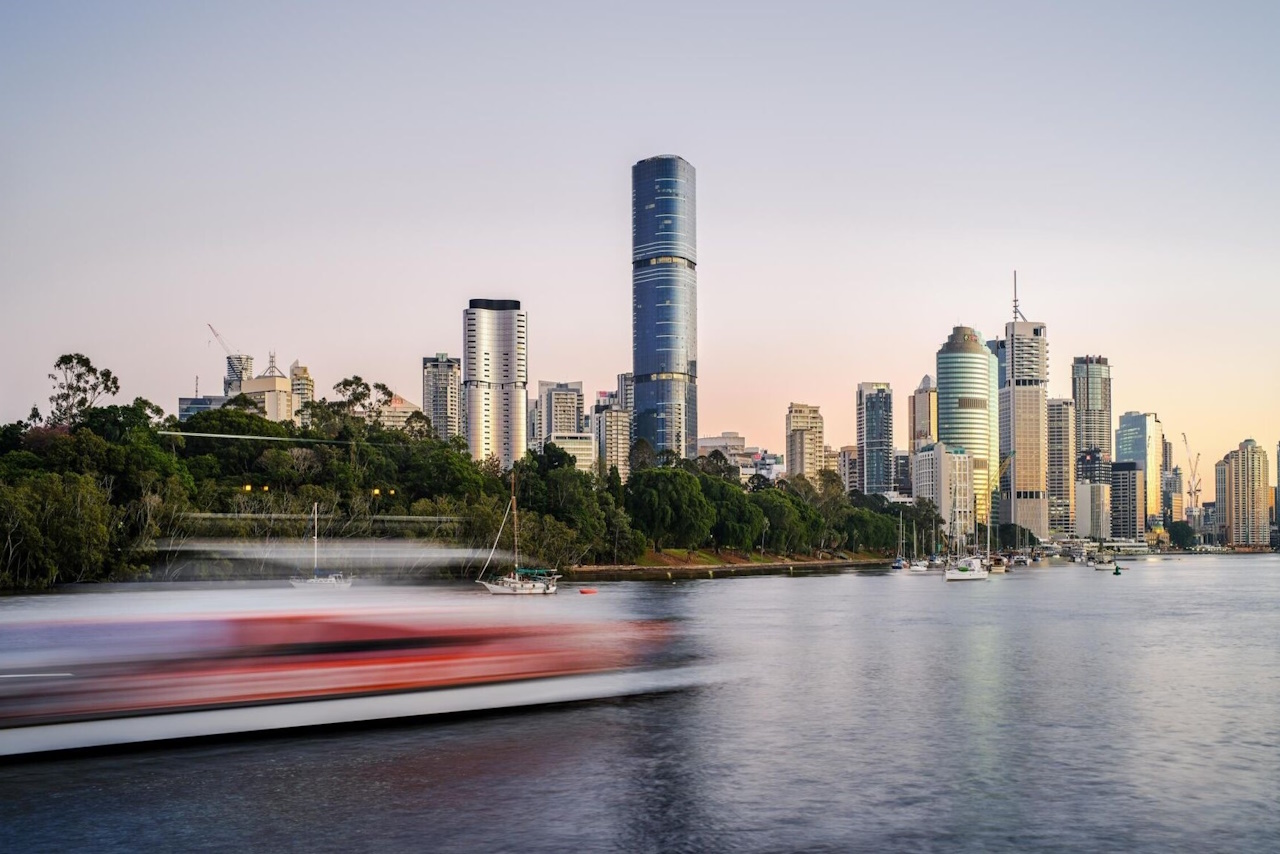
(664, 304)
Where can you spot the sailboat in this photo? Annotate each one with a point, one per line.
(332, 581)
(918, 564)
(900, 562)
(521, 580)
(962, 567)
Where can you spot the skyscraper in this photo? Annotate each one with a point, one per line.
(922, 414)
(804, 441)
(664, 297)
(875, 438)
(1247, 476)
(1091, 390)
(1024, 436)
(442, 394)
(1128, 500)
(1061, 474)
(1140, 439)
(967, 408)
(495, 379)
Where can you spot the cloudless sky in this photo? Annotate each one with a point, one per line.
(333, 181)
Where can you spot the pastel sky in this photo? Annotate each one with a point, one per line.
(333, 181)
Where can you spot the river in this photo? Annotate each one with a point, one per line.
(1056, 708)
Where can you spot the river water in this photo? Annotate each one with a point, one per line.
(1055, 708)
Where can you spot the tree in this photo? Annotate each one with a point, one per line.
(1182, 536)
(738, 523)
(77, 386)
(641, 456)
(669, 507)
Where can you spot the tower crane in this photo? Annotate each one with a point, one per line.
(1193, 481)
(236, 362)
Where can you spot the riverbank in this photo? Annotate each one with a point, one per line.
(675, 570)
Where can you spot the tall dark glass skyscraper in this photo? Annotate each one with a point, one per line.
(664, 304)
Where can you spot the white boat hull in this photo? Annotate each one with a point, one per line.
(520, 588)
(969, 569)
(321, 583)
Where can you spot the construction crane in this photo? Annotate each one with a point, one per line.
(1193, 481)
(221, 340)
(237, 363)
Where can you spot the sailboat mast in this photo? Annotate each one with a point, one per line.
(515, 521)
(315, 537)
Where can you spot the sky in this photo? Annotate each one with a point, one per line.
(333, 182)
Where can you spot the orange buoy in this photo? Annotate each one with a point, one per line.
(586, 590)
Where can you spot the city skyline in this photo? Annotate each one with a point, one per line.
(150, 182)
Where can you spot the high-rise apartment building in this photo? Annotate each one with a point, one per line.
(1140, 439)
(1061, 475)
(922, 414)
(944, 476)
(442, 394)
(804, 441)
(1091, 391)
(664, 303)
(495, 379)
(968, 416)
(1128, 501)
(847, 467)
(1245, 500)
(304, 391)
(561, 406)
(627, 390)
(875, 438)
(611, 424)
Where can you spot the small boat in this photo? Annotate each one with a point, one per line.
(966, 569)
(1103, 563)
(899, 563)
(1021, 560)
(332, 581)
(587, 591)
(918, 566)
(520, 581)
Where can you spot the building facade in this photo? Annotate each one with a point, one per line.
(1023, 361)
(875, 438)
(922, 414)
(611, 425)
(1091, 391)
(304, 391)
(1061, 475)
(804, 441)
(581, 446)
(944, 475)
(442, 394)
(1128, 501)
(561, 407)
(1140, 439)
(1093, 509)
(239, 369)
(664, 311)
(495, 379)
(273, 392)
(1245, 501)
(847, 467)
(967, 409)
